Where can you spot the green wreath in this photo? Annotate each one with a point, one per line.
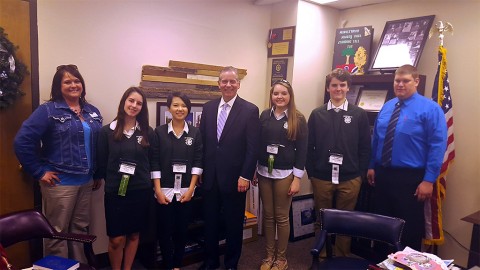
(12, 72)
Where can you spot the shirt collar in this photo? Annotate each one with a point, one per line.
(284, 114)
(344, 106)
(170, 129)
(63, 104)
(230, 103)
(113, 125)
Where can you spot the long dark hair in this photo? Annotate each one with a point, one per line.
(142, 117)
(56, 92)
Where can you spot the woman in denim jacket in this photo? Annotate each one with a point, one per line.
(56, 145)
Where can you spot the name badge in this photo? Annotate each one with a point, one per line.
(178, 183)
(336, 158)
(335, 174)
(127, 168)
(272, 149)
(179, 168)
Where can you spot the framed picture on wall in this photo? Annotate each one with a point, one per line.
(164, 116)
(351, 50)
(372, 100)
(302, 217)
(352, 94)
(401, 43)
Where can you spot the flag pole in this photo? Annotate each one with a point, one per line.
(439, 28)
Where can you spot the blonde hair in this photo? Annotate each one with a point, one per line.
(293, 114)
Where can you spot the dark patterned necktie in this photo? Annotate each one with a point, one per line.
(388, 142)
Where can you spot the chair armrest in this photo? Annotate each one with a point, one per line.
(84, 238)
(319, 243)
(87, 240)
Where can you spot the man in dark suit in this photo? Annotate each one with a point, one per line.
(230, 131)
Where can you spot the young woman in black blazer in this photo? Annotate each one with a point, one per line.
(180, 158)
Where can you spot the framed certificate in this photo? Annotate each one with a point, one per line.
(372, 100)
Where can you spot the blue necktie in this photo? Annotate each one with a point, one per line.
(222, 118)
(388, 142)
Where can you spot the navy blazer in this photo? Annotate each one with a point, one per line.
(235, 154)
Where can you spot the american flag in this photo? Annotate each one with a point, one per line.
(433, 208)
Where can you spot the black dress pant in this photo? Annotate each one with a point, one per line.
(223, 211)
(172, 224)
(394, 196)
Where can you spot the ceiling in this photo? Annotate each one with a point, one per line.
(339, 4)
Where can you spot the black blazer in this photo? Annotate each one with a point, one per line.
(235, 154)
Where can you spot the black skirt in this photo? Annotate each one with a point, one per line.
(128, 214)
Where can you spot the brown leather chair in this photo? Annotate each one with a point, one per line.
(355, 224)
(30, 224)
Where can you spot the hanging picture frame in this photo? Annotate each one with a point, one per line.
(372, 100)
(401, 43)
(351, 50)
(163, 116)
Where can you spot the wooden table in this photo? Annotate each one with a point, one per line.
(473, 257)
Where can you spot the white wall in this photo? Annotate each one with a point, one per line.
(110, 41)
(463, 182)
(316, 27)
(314, 41)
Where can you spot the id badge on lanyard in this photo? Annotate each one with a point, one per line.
(178, 168)
(127, 169)
(336, 160)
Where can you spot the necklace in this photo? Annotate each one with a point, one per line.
(77, 111)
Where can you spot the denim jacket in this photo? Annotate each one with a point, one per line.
(52, 137)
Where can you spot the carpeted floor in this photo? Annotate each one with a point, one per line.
(298, 256)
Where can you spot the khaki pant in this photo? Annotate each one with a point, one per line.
(276, 207)
(67, 208)
(346, 194)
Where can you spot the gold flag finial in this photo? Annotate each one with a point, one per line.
(441, 28)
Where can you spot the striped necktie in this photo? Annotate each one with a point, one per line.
(222, 118)
(388, 142)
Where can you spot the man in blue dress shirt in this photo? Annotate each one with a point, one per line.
(404, 171)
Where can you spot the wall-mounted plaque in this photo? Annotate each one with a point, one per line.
(281, 41)
(279, 69)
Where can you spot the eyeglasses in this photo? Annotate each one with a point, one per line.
(283, 81)
(67, 66)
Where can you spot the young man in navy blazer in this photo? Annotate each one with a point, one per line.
(230, 157)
